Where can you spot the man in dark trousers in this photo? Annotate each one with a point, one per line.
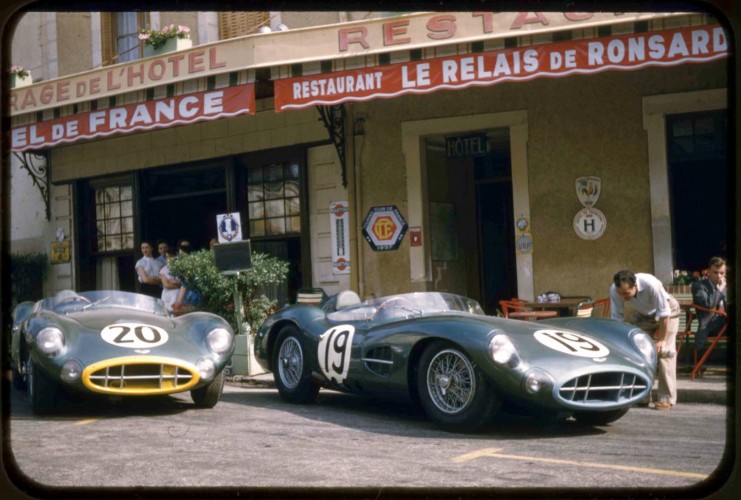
(710, 293)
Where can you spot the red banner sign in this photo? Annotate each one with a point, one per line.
(150, 115)
(624, 52)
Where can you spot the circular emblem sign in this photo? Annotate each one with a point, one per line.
(572, 343)
(589, 223)
(134, 335)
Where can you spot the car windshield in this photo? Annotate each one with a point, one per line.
(69, 301)
(406, 305)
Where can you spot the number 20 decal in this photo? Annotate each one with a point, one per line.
(134, 335)
(572, 343)
(334, 352)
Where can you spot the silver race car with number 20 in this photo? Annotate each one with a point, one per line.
(117, 344)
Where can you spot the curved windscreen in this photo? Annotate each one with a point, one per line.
(407, 305)
(69, 301)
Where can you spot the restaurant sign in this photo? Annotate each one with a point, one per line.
(149, 115)
(587, 56)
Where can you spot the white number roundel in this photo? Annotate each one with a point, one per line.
(572, 343)
(134, 335)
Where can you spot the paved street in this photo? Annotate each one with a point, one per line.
(253, 440)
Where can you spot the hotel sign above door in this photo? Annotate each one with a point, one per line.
(587, 56)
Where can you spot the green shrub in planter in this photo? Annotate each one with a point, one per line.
(198, 272)
(27, 274)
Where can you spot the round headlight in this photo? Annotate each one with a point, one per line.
(206, 368)
(536, 381)
(646, 345)
(71, 370)
(50, 340)
(219, 340)
(503, 351)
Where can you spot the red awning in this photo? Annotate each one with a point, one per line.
(553, 60)
(149, 115)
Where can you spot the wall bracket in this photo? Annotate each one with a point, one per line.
(333, 118)
(36, 166)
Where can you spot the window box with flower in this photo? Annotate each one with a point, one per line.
(168, 39)
(682, 281)
(19, 77)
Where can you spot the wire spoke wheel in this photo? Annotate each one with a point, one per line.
(291, 368)
(290, 362)
(451, 382)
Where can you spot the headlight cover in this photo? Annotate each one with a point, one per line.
(503, 351)
(71, 370)
(206, 368)
(219, 340)
(537, 381)
(50, 341)
(646, 345)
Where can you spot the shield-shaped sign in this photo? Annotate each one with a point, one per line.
(588, 190)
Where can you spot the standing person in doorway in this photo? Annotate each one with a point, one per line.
(184, 247)
(162, 247)
(170, 284)
(710, 293)
(656, 312)
(147, 271)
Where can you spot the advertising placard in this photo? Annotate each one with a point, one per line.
(339, 224)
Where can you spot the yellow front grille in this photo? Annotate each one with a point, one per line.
(140, 375)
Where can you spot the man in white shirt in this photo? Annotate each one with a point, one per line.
(656, 312)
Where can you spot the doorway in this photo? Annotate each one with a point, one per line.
(471, 215)
(182, 203)
(698, 185)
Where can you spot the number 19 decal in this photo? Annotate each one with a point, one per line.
(334, 352)
(134, 335)
(572, 343)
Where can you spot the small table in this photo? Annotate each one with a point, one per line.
(532, 315)
(567, 306)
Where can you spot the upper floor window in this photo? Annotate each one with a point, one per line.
(120, 35)
(234, 24)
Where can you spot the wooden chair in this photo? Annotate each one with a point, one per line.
(689, 330)
(585, 309)
(523, 312)
(310, 296)
(601, 308)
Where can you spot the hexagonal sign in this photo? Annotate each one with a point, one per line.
(384, 228)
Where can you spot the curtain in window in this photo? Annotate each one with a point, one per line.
(107, 273)
(127, 36)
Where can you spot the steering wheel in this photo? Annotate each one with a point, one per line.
(388, 309)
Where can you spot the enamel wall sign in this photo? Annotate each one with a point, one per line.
(384, 228)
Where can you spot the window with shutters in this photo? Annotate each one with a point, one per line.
(120, 35)
(234, 24)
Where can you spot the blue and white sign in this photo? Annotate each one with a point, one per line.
(229, 227)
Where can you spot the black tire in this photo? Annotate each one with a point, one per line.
(599, 417)
(19, 380)
(208, 395)
(42, 391)
(453, 392)
(290, 369)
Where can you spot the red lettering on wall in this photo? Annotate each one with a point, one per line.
(441, 27)
(394, 29)
(523, 19)
(487, 18)
(353, 35)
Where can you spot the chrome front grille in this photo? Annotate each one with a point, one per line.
(124, 376)
(606, 387)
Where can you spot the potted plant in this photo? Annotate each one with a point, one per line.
(19, 76)
(167, 39)
(198, 272)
